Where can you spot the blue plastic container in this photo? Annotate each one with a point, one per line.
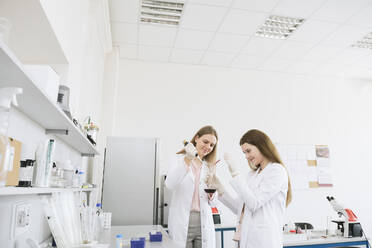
(157, 237)
(137, 243)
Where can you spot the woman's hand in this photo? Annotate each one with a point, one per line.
(191, 151)
(214, 183)
(232, 167)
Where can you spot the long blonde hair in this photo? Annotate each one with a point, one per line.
(211, 157)
(263, 143)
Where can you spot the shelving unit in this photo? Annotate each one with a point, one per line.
(32, 191)
(37, 106)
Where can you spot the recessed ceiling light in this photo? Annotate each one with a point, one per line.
(161, 12)
(365, 42)
(279, 27)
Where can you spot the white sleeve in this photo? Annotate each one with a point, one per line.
(176, 173)
(270, 186)
(232, 203)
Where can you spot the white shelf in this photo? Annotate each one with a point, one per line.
(9, 190)
(37, 106)
(32, 37)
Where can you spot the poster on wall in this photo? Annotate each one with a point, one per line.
(324, 166)
(308, 165)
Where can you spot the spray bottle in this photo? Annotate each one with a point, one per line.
(7, 96)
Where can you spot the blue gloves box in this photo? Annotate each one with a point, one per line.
(156, 236)
(137, 243)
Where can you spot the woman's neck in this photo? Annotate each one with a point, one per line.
(263, 165)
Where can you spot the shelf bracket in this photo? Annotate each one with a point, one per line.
(87, 155)
(57, 131)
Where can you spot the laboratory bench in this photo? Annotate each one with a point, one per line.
(300, 240)
(128, 232)
(289, 240)
(327, 242)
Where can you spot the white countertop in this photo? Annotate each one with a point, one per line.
(128, 232)
(301, 239)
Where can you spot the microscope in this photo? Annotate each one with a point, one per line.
(350, 226)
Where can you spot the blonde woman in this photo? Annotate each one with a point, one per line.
(262, 195)
(190, 219)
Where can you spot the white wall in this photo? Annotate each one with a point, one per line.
(173, 101)
(75, 25)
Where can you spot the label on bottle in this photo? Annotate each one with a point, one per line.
(23, 174)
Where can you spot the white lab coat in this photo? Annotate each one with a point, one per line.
(181, 182)
(264, 195)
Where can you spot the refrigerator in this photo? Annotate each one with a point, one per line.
(130, 181)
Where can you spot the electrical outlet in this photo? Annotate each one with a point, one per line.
(21, 218)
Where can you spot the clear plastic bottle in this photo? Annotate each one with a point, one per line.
(119, 241)
(98, 224)
(81, 178)
(7, 96)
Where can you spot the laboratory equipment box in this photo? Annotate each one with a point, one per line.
(155, 236)
(137, 243)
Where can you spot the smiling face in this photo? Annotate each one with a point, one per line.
(205, 144)
(253, 155)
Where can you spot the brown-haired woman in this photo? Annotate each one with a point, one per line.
(262, 195)
(190, 219)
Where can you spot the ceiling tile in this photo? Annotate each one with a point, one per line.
(255, 5)
(154, 53)
(202, 17)
(186, 56)
(128, 51)
(344, 70)
(345, 36)
(313, 31)
(228, 42)
(154, 35)
(357, 72)
(321, 53)
(124, 10)
(297, 8)
(262, 47)
(339, 10)
(217, 59)
(224, 3)
(365, 61)
(242, 22)
(303, 67)
(292, 50)
(193, 39)
(276, 65)
(247, 61)
(124, 32)
(362, 18)
(350, 55)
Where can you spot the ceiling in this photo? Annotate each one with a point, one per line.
(221, 33)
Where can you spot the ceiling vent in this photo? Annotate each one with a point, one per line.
(279, 27)
(365, 42)
(161, 12)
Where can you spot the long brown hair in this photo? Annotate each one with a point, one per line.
(263, 143)
(211, 157)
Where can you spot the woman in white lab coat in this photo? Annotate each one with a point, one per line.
(190, 220)
(262, 195)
